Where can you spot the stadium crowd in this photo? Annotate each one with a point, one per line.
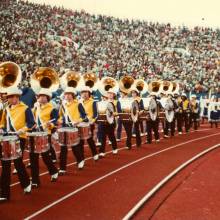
(34, 35)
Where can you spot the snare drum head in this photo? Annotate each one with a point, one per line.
(83, 124)
(67, 129)
(37, 133)
(9, 138)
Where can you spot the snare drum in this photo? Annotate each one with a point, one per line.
(38, 142)
(11, 149)
(68, 136)
(84, 130)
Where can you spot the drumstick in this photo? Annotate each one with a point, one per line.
(46, 122)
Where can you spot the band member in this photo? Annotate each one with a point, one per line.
(123, 95)
(186, 111)
(136, 125)
(153, 123)
(179, 112)
(109, 129)
(90, 107)
(99, 127)
(170, 126)
(46, 118)
(17, 117)
(194, 113)
(214, 116)
(71, 113)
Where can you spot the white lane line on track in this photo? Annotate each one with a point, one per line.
(145, 199)
(70, 164)
(111, 173)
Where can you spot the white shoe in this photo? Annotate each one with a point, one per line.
(102, 154)
(27, 189)
(157, 141)
(61, 172)
(133, 135)
(142, 134)
(81, 164)
(96, 157)
(14, 171)
(180, 132)
(109, 142)
(54, 161)
(54, 177)
(118, 140)
(115, 151)
(98, 144)
(166, 136)
(3, 199)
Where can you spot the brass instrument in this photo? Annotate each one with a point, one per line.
(10, 74)
(155, 86)
(107, 83)
(45, 77)
(167, 87)
(126, 83)
(70, 79)
(90, 80)
(176, 87)
(141, 86)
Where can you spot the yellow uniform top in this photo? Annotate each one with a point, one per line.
(17, 117)
(45, 113)
(72, 112)
(90, 109)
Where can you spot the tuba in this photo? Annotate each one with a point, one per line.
(155, 86)
(167, 87)
(44, 77)
(70, 79)
(176, 87)
(90, 80)
(107, 83)
(125, 84)
(141, 86)
(10, 74)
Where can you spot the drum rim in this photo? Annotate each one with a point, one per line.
(9, 138)
(40, 133)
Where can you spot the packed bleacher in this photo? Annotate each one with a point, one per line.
(34, 35)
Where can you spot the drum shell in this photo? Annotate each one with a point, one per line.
(11, 149)
(38, 142)
(68, 136)
(84, 131)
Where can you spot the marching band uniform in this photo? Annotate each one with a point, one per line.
(153, 125)
(170, 125)
(90, 107)
(109, 129)
(136, 125)
(194, 113)
(119, 127)
(186, 111)
(71, 113)
(43, 112)
(179, 113)
(214, 116)
(17, 117)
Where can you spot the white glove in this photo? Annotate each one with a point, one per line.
(20, 131)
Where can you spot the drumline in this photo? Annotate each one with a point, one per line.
(75, 122)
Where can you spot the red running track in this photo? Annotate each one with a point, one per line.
(195, 197)
(118, 182)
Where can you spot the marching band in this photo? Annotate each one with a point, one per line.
(75, 120)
